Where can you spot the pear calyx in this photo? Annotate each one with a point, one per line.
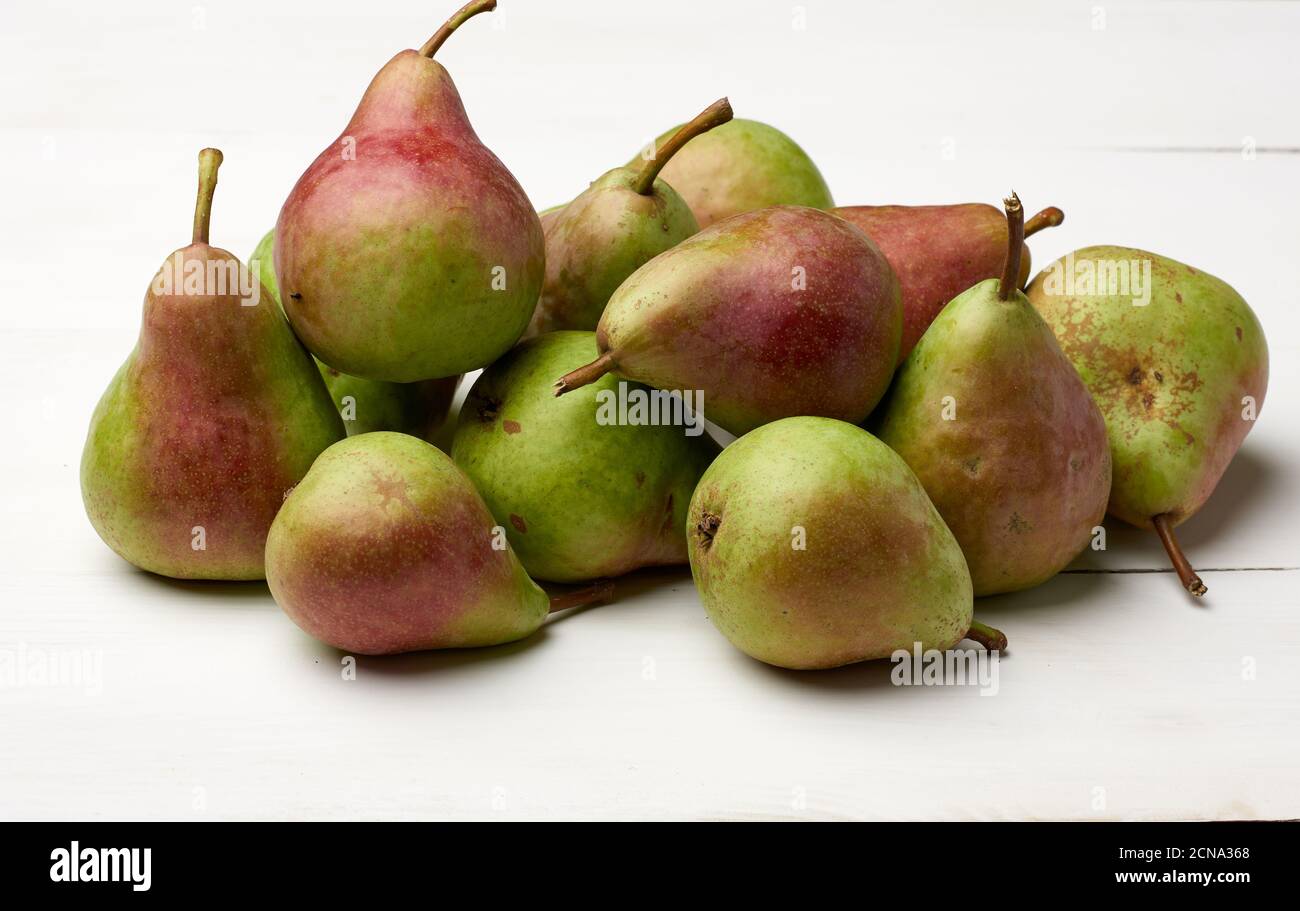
(600, 592)
(209, 162)
(994, 640)
(715, 115)
(469, 10)
(707, 527)
(588, 373)
(1191, 581)
(1015, 244)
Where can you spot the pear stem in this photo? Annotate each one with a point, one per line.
(1048, 218)
(588, 373)
(1015, 244)
(992, 639)
(715, 115)
(596, 593)
(1186, 574)
(469, 10)
(209, 162)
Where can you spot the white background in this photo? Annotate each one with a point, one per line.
(1118, 699)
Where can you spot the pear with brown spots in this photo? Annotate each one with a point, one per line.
(583, 489)
(1179, 365)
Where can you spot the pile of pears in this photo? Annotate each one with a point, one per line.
(916, 424)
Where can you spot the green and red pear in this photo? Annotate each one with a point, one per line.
(216, 414)
(1001, 431)
(420, 409)
(624, 219)
(813, 546)
(386, 547)
(407, 251)
(775, 313)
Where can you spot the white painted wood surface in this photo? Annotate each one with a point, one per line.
(1168, 126)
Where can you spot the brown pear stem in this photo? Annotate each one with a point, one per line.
(469, 10)
(596, 593)
(1186, 574)
(209, 161)
(1015, 244)
(1048, 218)
(715, 115)
(992, 639)
(588, 373)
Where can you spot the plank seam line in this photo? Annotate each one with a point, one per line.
(1202, 569)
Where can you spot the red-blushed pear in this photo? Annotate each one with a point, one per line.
(780, 312)
(407, 251)
(386, 547)
(624, 219)
(420, 409)
(1001, 431)
(215, 415)
(939, 251)
(813, 546)
(1179, 365)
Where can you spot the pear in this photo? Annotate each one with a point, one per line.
(419, 409)
(548, 216)
(582, 492)
(742, 166)
(939, 251)
(214, 416)
(386, 547)
(813, 546)
(407, 251)
(1179, 365)
(770, 314)
(1001, 431)
(624, 219)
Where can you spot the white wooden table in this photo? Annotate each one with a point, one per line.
(1168, 126)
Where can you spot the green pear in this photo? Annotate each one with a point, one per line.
(742, 166)
(1179, 365)
(214, 416)
(419, 409)
(622, 221)
(813, 546)
(781, 312)
(582, 491)
(1004, 436)
(407, 251)
(386, 547)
